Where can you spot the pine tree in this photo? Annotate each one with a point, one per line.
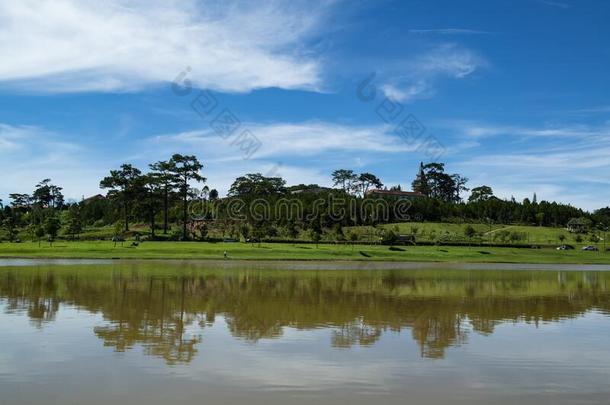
(420, 184)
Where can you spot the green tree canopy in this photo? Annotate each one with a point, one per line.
(122, 185)
(481, 193)
(255, 184)
(344, 178)
(186, 168)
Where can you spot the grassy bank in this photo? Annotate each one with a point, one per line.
(484, 233)
(285, 251)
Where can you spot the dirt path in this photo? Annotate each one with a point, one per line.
(499, 229)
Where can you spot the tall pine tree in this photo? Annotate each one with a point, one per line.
(420, 184)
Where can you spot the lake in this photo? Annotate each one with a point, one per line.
(148, 332)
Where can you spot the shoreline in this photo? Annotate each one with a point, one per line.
(278, 252)
(311, 264)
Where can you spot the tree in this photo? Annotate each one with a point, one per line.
(213, 194)
(459, 185)
(390, 237)
(201, 230)
(420, 184)
(244, 230)
(443, 186)
(344, 178)
(515, 236)
(118, 233)
(152, 188)
(74, 222)
(123, 185)
(39, 232)
(366, 181)
(579, 225)
(316, 236)
(603, 228)
(440, 183)
(602, 216)
(10, 226)
(293, 231)
(353, 237)
(259, 230)
(540, 218)
(316, 231)
(48, 195)
(20, 200)
(165, 174)
(255, 184)
(51, 227)
(470, 232)
(481, 193)
(186, 168)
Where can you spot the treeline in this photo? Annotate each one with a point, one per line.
(170, 200)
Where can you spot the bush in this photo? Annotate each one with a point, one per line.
(389, 237)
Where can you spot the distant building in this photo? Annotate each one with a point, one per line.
(409, 195)
(579, 225)
(93, 198)
(311, 189)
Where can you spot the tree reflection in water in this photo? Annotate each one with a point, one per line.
(166, 309)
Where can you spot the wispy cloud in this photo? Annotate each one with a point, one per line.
(561, 163)
(41, 145)
(31, 153)
(122, 45)
(602, 109)
(483, 130)
(417, 78)
(296, 139)
(303, 152)
(11, 138)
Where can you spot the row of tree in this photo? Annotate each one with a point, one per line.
(150, 192)
(164, 195)
(131, 195)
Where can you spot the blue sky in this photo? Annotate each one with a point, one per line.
(512, 94)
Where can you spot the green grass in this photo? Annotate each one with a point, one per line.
(429, 231)
(285, 251)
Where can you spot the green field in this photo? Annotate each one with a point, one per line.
(286, 251)
(496, 233)
(425, 232)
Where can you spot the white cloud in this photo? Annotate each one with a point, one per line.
(117, 45)
(11, 137)
(448, 60)
(295, 139)
(29, 154)
(484, 130)
(303, 152)
(563, 163)
(592, 110)
(407, 92)
(41, 147)
(417, 78)
(299, 152)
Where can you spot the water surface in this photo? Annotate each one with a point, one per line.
(187, 332)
